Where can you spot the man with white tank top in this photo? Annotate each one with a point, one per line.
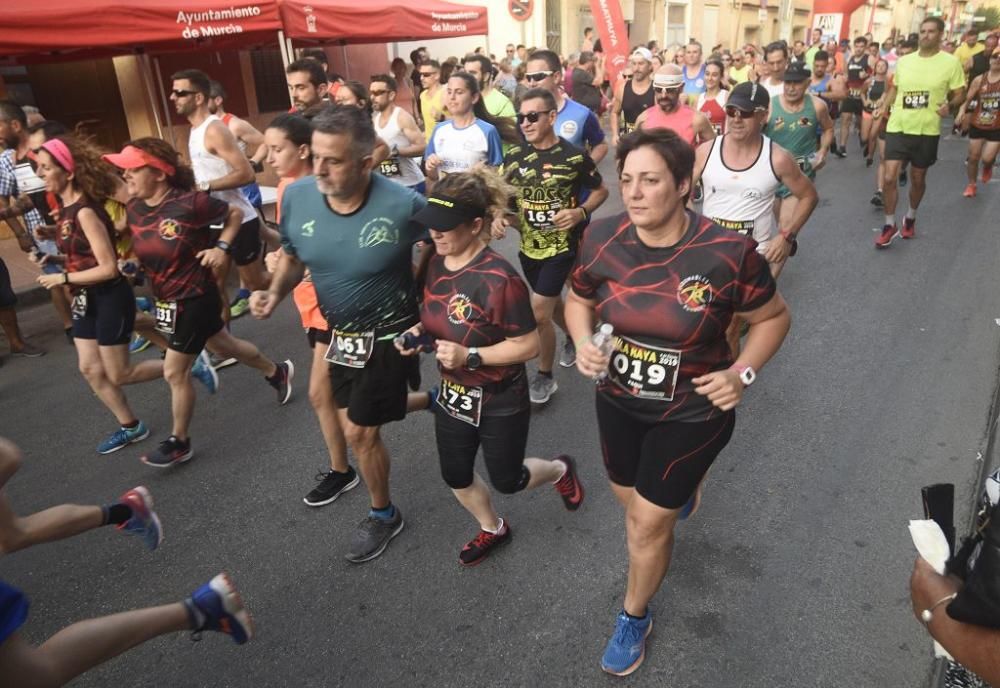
(399, 130)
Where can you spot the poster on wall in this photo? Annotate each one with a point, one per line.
(829, 24)
(614, 38)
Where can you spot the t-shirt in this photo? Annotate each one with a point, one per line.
(963, 52)
(72, 240)
(460, 149)
(17, 176)
(980, 65)
(361, 263)
(578, 125)
(482, 304)
(584, 91)
(547, 181)
(429, 106)
(922, 86)
(498, 105)
(740, 74)
(166, 240)
(670, 308)
(811, 55)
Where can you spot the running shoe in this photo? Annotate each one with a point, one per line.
(987, 173)
(283, 385)
(203, 372)
(869, 162)
(219, 361)
(542, 388)
(28, 350)
(839, 151)
(902, 178)
(373, 536)
(138, 344)
(569, 486)
(239, 307)
(122, 437)
(170, 451)
(877, 200)
(331, 485)
(970, 190)
(885, 237)
(689, 508)
(909, 229)
(217, 606)
(627, 647)
(144, 304)
(485, 542)
(144, 522)
(567, 357)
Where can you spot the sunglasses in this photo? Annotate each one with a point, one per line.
(531, 117)
(376, 94)
(178, 93)
(538, 76)
(424, 75)
(736, 113)
(667, 89)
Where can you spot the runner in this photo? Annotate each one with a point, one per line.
(858, 70)
(478, 311)
(497, 104)
(665, 407)
(983, 123)
(739, 71)
(712, 103)
(873, 102)
(400, 132)
(694, 73)
(307, 84)
(926, 84)
(169, 222)
(633, 96)
(670, 113)
(549, 174)
(351, 229)
(355, 94)
(776, 58)
(432, 105)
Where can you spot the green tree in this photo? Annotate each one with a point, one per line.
(991, 18)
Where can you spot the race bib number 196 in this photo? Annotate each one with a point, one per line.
(461, 401)
(389, 167)
(916, 100)
(350, 349)
(643, 370)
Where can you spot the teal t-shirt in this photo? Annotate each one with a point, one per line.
(361, 263)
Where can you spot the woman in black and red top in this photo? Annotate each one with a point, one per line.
(477, 316)
(171, 238)
(103, 304)
(669, 282)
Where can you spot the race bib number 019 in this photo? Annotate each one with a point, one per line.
(79, 307)
(350, 349)
(389, 167)
(643, 370)
(916, 100)
(166, 316)
(461, 401)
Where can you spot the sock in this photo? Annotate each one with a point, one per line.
(911, 213)
(243, 294)
(276, 378)
(116, 514)
(890, 219)
(130, 426)
(544, 373)
(196, 616)
(386, 514)
(562, 475)
(636, 618)
(499, 527)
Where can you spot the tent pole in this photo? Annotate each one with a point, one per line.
(166, 103)
(347, 64)
(285, 60)
(146, 75)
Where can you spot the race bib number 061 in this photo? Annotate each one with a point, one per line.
(461, 401)
(643, 370)
(350, 349)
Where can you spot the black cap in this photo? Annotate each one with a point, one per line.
(797, 72)
(749, 96)
(445, 213)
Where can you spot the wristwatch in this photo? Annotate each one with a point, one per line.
(224, 245)
(204, 186)
(747, 374)
(473, 360)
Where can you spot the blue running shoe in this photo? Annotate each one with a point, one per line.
(204, 373)
(690, 507)
(627, 647)
(122, 437)
(216, 606)
(143, 304)
(144, 522)
(138, 344)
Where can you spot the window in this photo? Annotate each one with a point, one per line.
(676, 32)
(269, 80)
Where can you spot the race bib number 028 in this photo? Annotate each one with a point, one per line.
(350, 349)
(461, 401)
(916, 100)
(643, 370)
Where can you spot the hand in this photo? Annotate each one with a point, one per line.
(927, 586)
(451, 355)
(820, 160)
(272, 259)
(723, 388)
(498, 230)
(943, 110)
(416, 331)
(213, 258)
(590, 361)
(567, 218)
(615, 138)
(431, 163)
(46, 232)
(51, 281)
(262, 304)
(777, 249)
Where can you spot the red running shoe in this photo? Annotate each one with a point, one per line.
(478, 549)
(909, 229)
(569, 486)
(970, 190)
(987, 173)
(889, 232)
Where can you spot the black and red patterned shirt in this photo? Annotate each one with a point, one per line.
(72, 240)
(166, 240)
(482, 304)
(670, 308)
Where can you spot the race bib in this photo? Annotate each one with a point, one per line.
(916, 100)
(744, 227)
(165, 313)
(460, 401)
(854, 93)
(351, 349)
(389, 167)
(643, 370)
(541, 215)
(79, 307)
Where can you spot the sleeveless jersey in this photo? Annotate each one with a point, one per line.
(741, 200)
(680, 121)
(251, 190)
(857, 72)
(72, 240)
(634, 104)
(714, 109)
(397, 168)
(693, 85)
(987, 113)
(820, 87)
(795, 131)
(208, 167)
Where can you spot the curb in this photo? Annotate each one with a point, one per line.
(31, 296)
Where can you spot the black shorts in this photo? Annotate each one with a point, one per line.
(664, 462)
(548, 275)
(321, 337)
(919, 150)
(198, 320)
(110, 313)
(247, 245)
(8, 299)
(376, 394)
(851, 106)
(503, 439)
(989, 135)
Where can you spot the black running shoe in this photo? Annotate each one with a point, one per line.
(169, 452)
(877, 200)
(283, 383)
(839, 151)
(478, 549)
(331, 485)
(902, 178)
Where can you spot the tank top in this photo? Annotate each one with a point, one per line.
(795, 131)
(875, 90)
(741, 200)
(714, 109)
(681, 121)
(987, 113)
(208, 167)
(251, 191)
(820, 87)
(695, 84)
(634, 104)
(857, 72)
(397, 168)
(72, 240)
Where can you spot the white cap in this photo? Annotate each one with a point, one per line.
(668, 80)
(643, 53)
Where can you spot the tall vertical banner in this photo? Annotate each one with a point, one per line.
(614, 37)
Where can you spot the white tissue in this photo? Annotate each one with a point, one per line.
(931, 543)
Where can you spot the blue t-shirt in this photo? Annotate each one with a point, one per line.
(578, 125)
(361, 263)
(460, 149)
(694, 85)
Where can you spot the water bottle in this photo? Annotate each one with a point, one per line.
(602, 339)
(422, 342)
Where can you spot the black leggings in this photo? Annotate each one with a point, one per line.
(7, 297)
(664, 462)
(503, 438)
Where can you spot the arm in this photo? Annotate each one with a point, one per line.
(598, 72)
(381, 151)
(104, 252)
(838, 88)
(581, 320)
(700, 160)
(215, 257)
(800, 186)
(288, 274)
(826, 138)
(703, 129)
(864, 93)
(568, 218)
(593, 136)
(640, 120)
(599, 151)
(413, 134)
(250, 135)
(512, 350)
(963, 111)
(616, 112)
(221, 142)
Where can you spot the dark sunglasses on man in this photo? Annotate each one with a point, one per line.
(736, 113)
(531, 117)
(537, 76)
(178, 93)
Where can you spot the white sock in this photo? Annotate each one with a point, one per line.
(911, 214)
(565, 468)
(499, 527)
(890, 219)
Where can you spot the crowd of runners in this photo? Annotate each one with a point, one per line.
(390, 194)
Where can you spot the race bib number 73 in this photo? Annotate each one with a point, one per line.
(461, 401)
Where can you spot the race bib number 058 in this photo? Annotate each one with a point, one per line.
(350, 349)
(916, 100)
(461, 401)
(643, 370)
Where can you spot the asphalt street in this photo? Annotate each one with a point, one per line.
(793, 573)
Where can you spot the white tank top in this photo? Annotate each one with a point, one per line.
(741, 200)
(208, 167)
(397, 168)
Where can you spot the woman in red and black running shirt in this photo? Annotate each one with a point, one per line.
(479, 312)
(103, 308)
(171, 238)
(669, 282)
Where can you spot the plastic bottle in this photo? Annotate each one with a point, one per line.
(422, 342)
(603, 340)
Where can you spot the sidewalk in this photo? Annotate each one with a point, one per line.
(23, 272)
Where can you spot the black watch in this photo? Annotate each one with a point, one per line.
(473, 360)
(225, 246)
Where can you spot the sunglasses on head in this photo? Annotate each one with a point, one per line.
(531, 117)
(178, 93)
(736, 113)
(537, 76)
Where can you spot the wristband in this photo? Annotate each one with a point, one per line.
(224, 246)
(787, 236)
(586, 215)
(256, 165)
(65, 278)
